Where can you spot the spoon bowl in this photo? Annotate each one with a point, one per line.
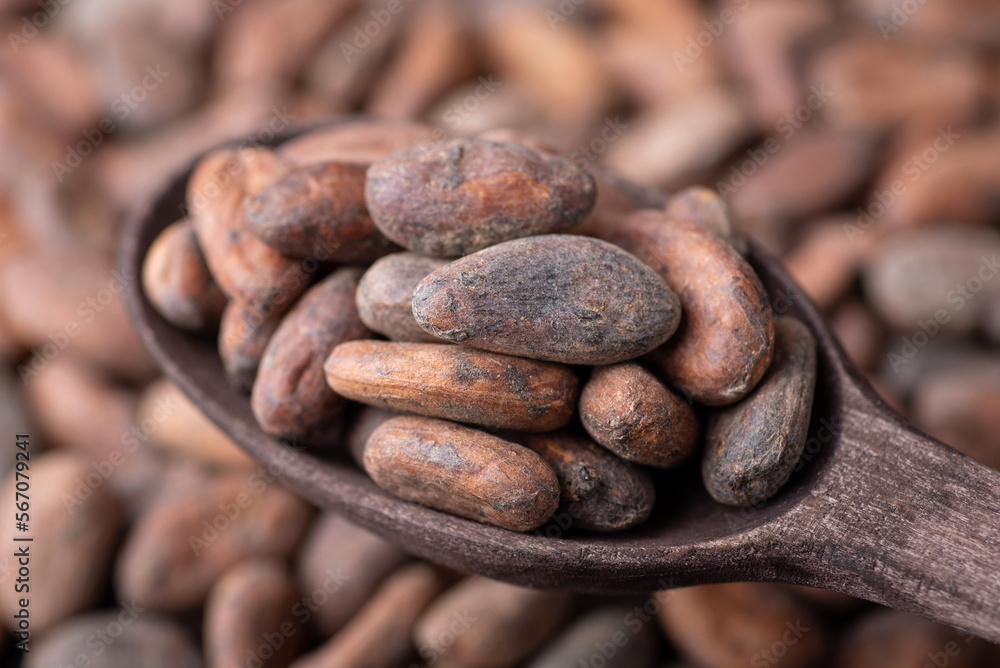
(878, 510)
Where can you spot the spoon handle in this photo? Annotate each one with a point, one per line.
(908, 522)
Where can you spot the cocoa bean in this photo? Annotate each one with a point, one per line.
(596, 488)
(462, 471)
(559, 298)
(627, 410)
(339, 566)
(177, 281)
(251, 607)
(453, 382)
(456, 197)
(290, 397)
(724, 342)
(385, 295)
(752, 447)
(318, 212)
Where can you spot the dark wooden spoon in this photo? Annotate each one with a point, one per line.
(879, 510)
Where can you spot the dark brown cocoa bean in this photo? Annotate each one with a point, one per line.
(724, 342)
(597, 490)
(456, 197)
(752, 447)
(462, 471)
(318, 212)
(178, 283)
(557, 297)
(385, 295)
(453, 382)
(290, 397)
(243, 336)
(627, 410)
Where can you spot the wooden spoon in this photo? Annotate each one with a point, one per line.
(879, 511)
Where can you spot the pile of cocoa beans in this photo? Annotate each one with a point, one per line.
(461, 253)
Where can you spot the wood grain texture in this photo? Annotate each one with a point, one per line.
(879, 509)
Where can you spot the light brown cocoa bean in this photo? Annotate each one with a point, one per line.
(729, 625)
(175, 424)
(246, 268)
(510, 623)
(724, 342)
(339, 566)
(558, 297)
(252, 603)
(627, 410)
(291, 398)
(77, 523)
(597, 490)
(462, 471)
(318, 212)
(379, 636)
(453, 382)
(384, 297)
(453, 198)
(177, 281)
(199, 529)
(752, 447)
(705, 207)
(61, 302)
